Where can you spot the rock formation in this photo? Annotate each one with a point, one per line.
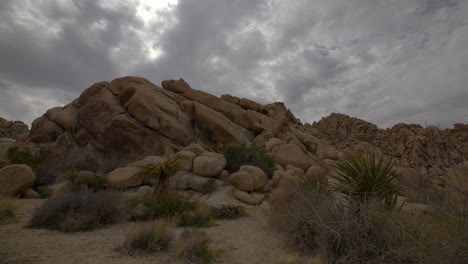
(12, 129)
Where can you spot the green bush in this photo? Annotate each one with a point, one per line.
(150, 236)
(362, 177)
(318, 224)
(80, 211)
(230, 115)
(43, 177)
(24, 157)
(166, 204)
(83, 178)
(194, 246)
(237, 156)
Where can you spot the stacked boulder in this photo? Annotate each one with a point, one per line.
(201, 169)
(249, 183)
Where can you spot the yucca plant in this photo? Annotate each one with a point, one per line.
(363, 178)
(161, 171)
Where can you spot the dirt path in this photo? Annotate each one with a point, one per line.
(244, 240)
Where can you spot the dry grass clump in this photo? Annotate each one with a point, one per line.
(7, 210)
(194, 246)
(150, 236)
(201, 216)
(83, 180)
(365, 232)
(80, 211)
(165, 204)
(229, 211)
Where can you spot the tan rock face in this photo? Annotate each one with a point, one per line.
(249, 198)
(125, 177)
(186, 159)
(15, 178)
(318, 173)
(249, 178)
(12, 129)
(409, 176)
(290, 154)
(209, 164)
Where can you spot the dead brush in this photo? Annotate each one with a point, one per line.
(194, 246)
(150, 236)
(229, 211)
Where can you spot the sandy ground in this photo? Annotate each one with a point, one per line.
(243, 240)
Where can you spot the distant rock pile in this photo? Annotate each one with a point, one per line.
(12, 129)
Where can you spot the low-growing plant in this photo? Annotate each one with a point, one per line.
(24, 157)
(162, 171)
(229, 211)
(230, 115)
(166, 204)
(80, 211)
(194, 246)
(201, 216)
(237, 156)
(83, 178)
(150, 236)
(7, 210)
(44, 192)
(362, 177)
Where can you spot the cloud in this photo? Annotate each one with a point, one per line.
(382, 61)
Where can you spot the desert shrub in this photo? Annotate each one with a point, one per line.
(7, 210)
(361, 232)
(44, 192)
(80, 211)
(237, 156)
(308, 145)
(83, 178)
(44, 176)
(202, 215)
(230, 115)
(362, 177)
(229, 211)
(162, 171)
(150, 236)
(166, 204)
(194, 246)
(24, 157)
(3, 164)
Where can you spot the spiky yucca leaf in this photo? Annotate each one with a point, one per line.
(362, 178)
(161, 171)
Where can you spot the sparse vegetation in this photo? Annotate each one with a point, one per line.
(237, 156)
(308, 145)
(194, 246)
(229, 211)
(24, 157)
(166, 204)
(150, 236)
(43, 177)
(162, 171)
(362, 177)
(201, 216)
(362, 231)
(230, 115)
(82, 180)
(209, 187)
(7, 210)
(80, 211)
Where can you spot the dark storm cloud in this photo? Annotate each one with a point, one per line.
(382, 61)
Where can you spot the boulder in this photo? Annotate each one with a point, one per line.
(145, 191)
(273, 142)
(15, 178)
(298, 171)
(209, 164)
(327, 152)
(195, 148)
(180, 181)
(249, 104)
(249, 198)
(30, 194)
(197, 183)
(249, 178)
(125, 177)
(290, 154)
(409, 176)
(277, 177)
(186, 159)
(146, 161)
(318, 173)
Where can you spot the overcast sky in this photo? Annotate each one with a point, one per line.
(384, 61)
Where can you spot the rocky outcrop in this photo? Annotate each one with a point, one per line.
(430, 150)
(12, 129)
(15, 178)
